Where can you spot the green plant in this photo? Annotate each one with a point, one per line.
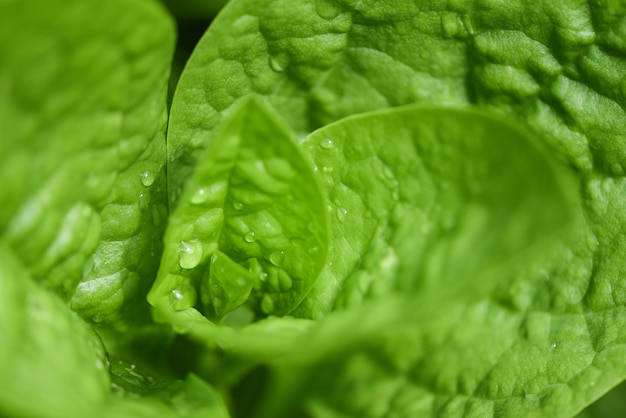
(361, 209)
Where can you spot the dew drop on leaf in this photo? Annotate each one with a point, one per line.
(249, 237)
(326, 143)
(147, 178)
(592, 241)
(238, 205)
(342, 213)
(144, 201)
(278, 63)
(190, 253)
(297, 242)
(276, 258)
(327, 9)
(182, 297)
(200, 196)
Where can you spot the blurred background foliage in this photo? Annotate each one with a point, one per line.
(193, 17)
(611, 405)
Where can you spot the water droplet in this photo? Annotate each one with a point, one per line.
(276, 258)
(297, 242)
(190, 253)
(327, 169)
(553, 346)
(316, 168)
(147, 178)
(342, 213)
(279, 62)
(326, 143)
(327, 9)
(249, 237)
(592, 241)
(313, 250)
(238, 205)
(267, 304)
(144, 201)
(200, 196)
(313, 227)
(241, 281)
(182, 297)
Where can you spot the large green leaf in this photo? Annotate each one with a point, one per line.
(54, 365)
(557, 67)
(82, 157)
(252, 224)
(421, 198)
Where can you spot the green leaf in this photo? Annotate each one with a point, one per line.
(317, 61)
(52, 364)
(252, 221)
(137, 394)
(82, 117)
(422, 197)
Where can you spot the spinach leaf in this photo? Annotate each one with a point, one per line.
(251, 223)
(82, 156)
(421, 197)
(55, 365)
(45, 346)
(558, 69)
